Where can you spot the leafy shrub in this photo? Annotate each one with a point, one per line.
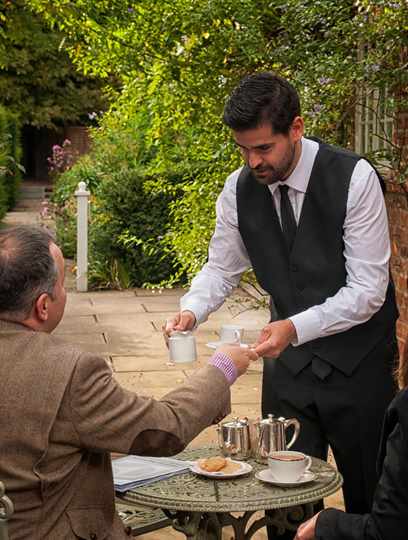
(128, 219)
(10, 154)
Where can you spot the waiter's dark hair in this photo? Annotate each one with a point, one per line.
(27, 269)
(259, 99)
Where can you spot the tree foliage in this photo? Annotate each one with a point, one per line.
(10, 154)
(178, 61)
(37, 79)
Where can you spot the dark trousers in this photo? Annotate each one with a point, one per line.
(345, 412)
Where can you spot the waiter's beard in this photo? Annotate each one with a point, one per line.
(266, 174)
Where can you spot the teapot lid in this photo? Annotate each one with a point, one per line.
(237, 422)
(270, 419)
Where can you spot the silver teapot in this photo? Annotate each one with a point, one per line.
(270, 436)
(234, 438)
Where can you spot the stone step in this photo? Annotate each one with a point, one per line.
(35, 192)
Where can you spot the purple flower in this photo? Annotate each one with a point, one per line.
(324, 80)
(373, 68)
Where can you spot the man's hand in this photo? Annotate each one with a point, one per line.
(241, 356)
(275, 337)
(184, 320)
(307, 530)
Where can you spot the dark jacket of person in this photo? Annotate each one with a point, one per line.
(388, 519)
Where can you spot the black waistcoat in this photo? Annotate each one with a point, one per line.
(315, 268)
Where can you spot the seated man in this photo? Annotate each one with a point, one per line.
(62, 411)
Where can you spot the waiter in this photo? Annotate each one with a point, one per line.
(310, 219)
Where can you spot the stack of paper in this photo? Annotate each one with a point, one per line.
(133, 471)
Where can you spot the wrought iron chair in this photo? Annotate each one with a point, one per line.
(141, 519)
(6, 511)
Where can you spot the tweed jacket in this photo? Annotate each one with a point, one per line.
(62, 413)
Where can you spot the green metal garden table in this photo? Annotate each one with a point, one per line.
(200, 507)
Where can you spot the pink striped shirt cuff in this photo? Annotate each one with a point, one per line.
(226, 365)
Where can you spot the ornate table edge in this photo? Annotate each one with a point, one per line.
(239, 506)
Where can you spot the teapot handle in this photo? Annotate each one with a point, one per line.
(260, 437)
(295, 423)
(220, 440)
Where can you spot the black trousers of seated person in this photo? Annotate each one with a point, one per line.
(345, 412)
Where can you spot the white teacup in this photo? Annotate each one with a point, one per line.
(231, 333)
(288, 465)
(182, 347)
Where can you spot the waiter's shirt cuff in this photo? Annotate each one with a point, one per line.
(307, 325)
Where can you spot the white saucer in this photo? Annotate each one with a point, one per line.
(245, 468)
(266, 476)
(216, 344)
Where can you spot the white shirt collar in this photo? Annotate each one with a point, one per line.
(299, 179)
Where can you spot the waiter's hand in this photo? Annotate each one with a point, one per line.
(307, 530)
(184, 320)
(275, 337)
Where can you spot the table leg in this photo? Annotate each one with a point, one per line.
(196, 525)
(209, 525)
(282, 519)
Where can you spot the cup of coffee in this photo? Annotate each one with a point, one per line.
(231, 333)
(182, 347)
(287, 465)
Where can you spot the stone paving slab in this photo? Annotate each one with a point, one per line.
(73, 325)
(113, 305)
(160, 292)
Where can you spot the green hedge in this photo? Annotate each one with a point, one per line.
(128, 218)
(10, 155)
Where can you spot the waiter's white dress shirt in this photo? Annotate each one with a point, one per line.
(366, 252)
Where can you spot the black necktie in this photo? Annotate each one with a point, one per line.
(287, 217)
(320, 368)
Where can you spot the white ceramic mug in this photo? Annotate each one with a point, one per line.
(288, 466)
(231, 333)
(182, 347)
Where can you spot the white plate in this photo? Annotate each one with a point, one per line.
(245, 468)
(216, 344)
(266, 476)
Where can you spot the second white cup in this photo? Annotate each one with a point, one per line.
(231, 333)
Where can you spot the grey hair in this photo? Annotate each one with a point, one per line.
(27, 269)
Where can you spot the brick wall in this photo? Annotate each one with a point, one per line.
(397, 204)
(79, 137)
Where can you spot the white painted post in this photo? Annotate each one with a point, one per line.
(82, 196)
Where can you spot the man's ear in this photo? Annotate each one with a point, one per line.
(41, 307)
(297, 128)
